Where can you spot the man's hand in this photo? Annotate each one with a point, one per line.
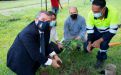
(89, 47)
(57, 59)
(60, 46)
(97, 43)
(55, 64)
(77, 38)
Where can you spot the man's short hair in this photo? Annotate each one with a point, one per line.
(101, 3)
(73, 7)
(45, 12)
(52, 13)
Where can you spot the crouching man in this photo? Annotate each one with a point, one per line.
(31, 49)
(102, 25)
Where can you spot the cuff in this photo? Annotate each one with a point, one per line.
(52, 54)
(59, 43)
(49, 62)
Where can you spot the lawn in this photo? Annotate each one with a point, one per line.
(18, 3)
(11, 25)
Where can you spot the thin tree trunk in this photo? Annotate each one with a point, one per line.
(46, 4)
(41, 4)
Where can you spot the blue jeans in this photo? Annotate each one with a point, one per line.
(55, 10)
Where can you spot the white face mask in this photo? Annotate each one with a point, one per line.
(98, 15)
(52, 23)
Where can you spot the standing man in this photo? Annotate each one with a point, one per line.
(102, 25)
(31, 49)
(55, 6)
(75, 26)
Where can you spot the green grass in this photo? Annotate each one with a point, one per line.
(19, 3)
(11, 25)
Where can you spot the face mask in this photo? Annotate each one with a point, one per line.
(52, 23)
(43, 26)
(98, 15)
(74, 16)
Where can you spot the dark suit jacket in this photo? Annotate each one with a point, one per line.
(25, 53)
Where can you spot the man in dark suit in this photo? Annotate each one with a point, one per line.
(31, 48)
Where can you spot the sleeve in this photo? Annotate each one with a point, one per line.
(113, 26)
(114, 23)
(54, 35)
(32, 48)
(66, 30)
(49, 61)
(90, 26)
(83, 29)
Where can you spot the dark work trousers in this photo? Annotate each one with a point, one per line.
(101, 55)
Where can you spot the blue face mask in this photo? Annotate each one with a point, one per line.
(52, 23)
(43, 26)
(98, 15)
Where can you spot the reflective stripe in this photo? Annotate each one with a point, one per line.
(89, 27)
(90, 31)
(103, 50)
(113, 26)
(103, 31)
(103, 28)
(112, 31)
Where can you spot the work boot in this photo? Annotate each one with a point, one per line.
(99, 64)
(101, 57)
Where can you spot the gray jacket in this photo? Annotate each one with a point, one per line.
(74, 28)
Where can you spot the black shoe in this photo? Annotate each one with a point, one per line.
(102, 72)
(99, 64)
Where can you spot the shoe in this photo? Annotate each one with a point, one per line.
(99, 64)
